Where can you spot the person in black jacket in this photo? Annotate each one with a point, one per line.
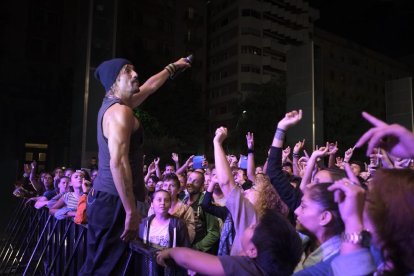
(290, 195)
(227, 232)
(161, 230)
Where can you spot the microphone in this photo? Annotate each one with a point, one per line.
(189, 60)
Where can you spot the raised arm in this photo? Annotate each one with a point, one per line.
(208, 206)
(296, 155)
(157, 80)
(174, 157)
(285, 155)
(119, 127)
(224, 175)
(277, 177)
(32, 177)
(157, 167)
(395, 139)
(348, 154)
(251, 168)
(185, 165)
(333, 149)
(310, 165)
(151, 170)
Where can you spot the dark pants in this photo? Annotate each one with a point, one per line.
(106, 222)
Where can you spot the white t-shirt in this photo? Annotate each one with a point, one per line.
(159, 236)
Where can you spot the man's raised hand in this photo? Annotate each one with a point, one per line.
(221, 135)
(290, 119)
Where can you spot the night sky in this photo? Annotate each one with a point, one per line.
(385, 26)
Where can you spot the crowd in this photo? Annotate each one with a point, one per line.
(299, 213)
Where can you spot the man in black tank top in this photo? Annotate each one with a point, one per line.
(113, 216)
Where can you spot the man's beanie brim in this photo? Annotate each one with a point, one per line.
(108, 71)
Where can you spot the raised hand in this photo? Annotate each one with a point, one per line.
(285, 153)
(339, 162)
(395, 139)
(290, 119)
(250, 140)
(151, 168)
(33, 165)
(298, 147)
(320, 152)
(27, 169)
(350, 197)
(182, 63)
(332, 148)
(174, 157)
(221, 135)
(157, 161)
(189, 162)
(348, 154)
(86, 186)
(401, 163)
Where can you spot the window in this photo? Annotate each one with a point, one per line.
(250, 68)
(251, 13)
(246, 49)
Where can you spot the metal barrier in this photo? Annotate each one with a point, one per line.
(38, 244)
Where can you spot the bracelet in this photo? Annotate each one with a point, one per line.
(362, 238)
(280, 134)
(250, 151)
(295, 155)
(171, 68)
(85, 193)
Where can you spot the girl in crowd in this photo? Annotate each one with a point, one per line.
(319, 219)
(177, 208)
(290, 195)
(66, 206)
(63, 184)
(162, 230)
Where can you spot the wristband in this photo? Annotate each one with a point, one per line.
(295, 155)
(280, 134)
(171, 68)
(250, 151)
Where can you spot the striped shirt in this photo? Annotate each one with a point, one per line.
(71, 200)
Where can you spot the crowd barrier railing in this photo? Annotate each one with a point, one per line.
(35, 243)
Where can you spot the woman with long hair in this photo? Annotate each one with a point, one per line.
(385, 214)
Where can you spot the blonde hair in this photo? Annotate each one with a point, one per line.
(268, 197)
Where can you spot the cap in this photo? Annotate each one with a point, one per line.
(108, 71)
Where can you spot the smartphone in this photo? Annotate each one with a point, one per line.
(198, 162)
(243, 162)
